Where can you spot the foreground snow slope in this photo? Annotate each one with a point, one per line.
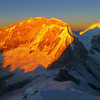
(53, 91)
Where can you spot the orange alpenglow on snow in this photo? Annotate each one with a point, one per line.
(91, 27)
(33, 42)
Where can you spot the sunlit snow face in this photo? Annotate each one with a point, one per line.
(91, 27)
(34, 42)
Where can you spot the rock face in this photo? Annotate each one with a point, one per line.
(33, 42)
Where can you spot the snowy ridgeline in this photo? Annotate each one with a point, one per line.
(90, 44)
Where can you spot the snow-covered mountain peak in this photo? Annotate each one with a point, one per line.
(91, 27)
(33, 42)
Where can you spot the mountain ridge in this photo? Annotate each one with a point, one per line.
(45, 39)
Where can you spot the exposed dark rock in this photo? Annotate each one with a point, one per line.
(18, 85)
(94, 47)
(65, 76)
(3, 79)
(94, 87)
(91, 51)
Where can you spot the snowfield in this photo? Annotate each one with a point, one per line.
(53, 91)
(86, 41)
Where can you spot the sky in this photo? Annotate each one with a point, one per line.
(79, 14)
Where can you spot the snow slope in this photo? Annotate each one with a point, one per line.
(53, 91)
(86, 38)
